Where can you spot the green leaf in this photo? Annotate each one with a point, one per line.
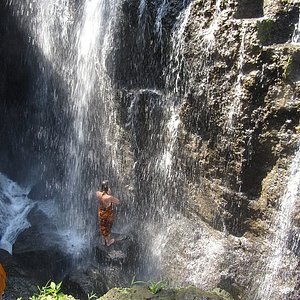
(52, 285)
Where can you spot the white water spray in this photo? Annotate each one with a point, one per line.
(14, 208)
(296, 33)
(161, 12)
(209, 35)
(71, 42)
(88, 36)
(173, 72)
(281, 262)
(235, 105)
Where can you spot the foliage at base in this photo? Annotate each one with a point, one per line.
(51, 291)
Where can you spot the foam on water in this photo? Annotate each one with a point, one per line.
(14, 208)
(281, 262)
(188, 250)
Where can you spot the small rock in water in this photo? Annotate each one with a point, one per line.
(121, 251)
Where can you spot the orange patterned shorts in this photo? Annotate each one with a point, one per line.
(106, 218)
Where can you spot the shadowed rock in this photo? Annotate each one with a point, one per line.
(120, 252)
(19, 281)
(38, 249)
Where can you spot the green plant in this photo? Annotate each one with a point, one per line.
(155, 287)
(51, 291)
(133, 281)
(92, 296)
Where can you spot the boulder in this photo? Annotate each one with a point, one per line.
(143, 293)
(19, 281)
(85, 280)
(121, 252)
(38, 249)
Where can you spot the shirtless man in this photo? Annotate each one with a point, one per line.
(105, 211)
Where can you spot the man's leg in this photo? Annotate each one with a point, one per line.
(109, 241)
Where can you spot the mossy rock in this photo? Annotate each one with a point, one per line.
(143, 293)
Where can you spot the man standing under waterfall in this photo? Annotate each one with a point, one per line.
(105, 211)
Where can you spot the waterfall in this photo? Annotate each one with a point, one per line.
(42, 19)
(161, 12)
(174, 72)
(165, 232)
(156, 172)
(14, 207)
(89, 35)
(175, 90)
(142, 8)
(278, 274)
(71, 41)
(235, 105)
(209, 33)
(296, 33)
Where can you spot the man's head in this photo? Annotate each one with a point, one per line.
(105, 186)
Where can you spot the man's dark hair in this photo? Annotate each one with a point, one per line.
(104, 186)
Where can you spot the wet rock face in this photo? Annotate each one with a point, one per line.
(249, 9)
(19, 282)
(26, 142)
(142, 42)
(38, 249)
(239, 117)
(239, 113)
(14, 87)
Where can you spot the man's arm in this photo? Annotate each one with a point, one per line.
(114, 200)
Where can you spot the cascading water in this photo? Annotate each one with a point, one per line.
(296, 33)
(89, 35)
(75, 44)
(155, 166)
(235, 105)
(14, 207)
(72, 44)
(209, 33)
(163, 8)
(167, 234)
(279, 274)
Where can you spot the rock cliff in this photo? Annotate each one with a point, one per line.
(239, 123)
(206, 98)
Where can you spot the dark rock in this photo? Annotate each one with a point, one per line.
(121, 252)
(38, 218)
(38, 249)
(249, 9)
(19, 280)
(45, 265)
(39, 191)
(279, 27)
(40, 236)
(87, 279)
(83, 281)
